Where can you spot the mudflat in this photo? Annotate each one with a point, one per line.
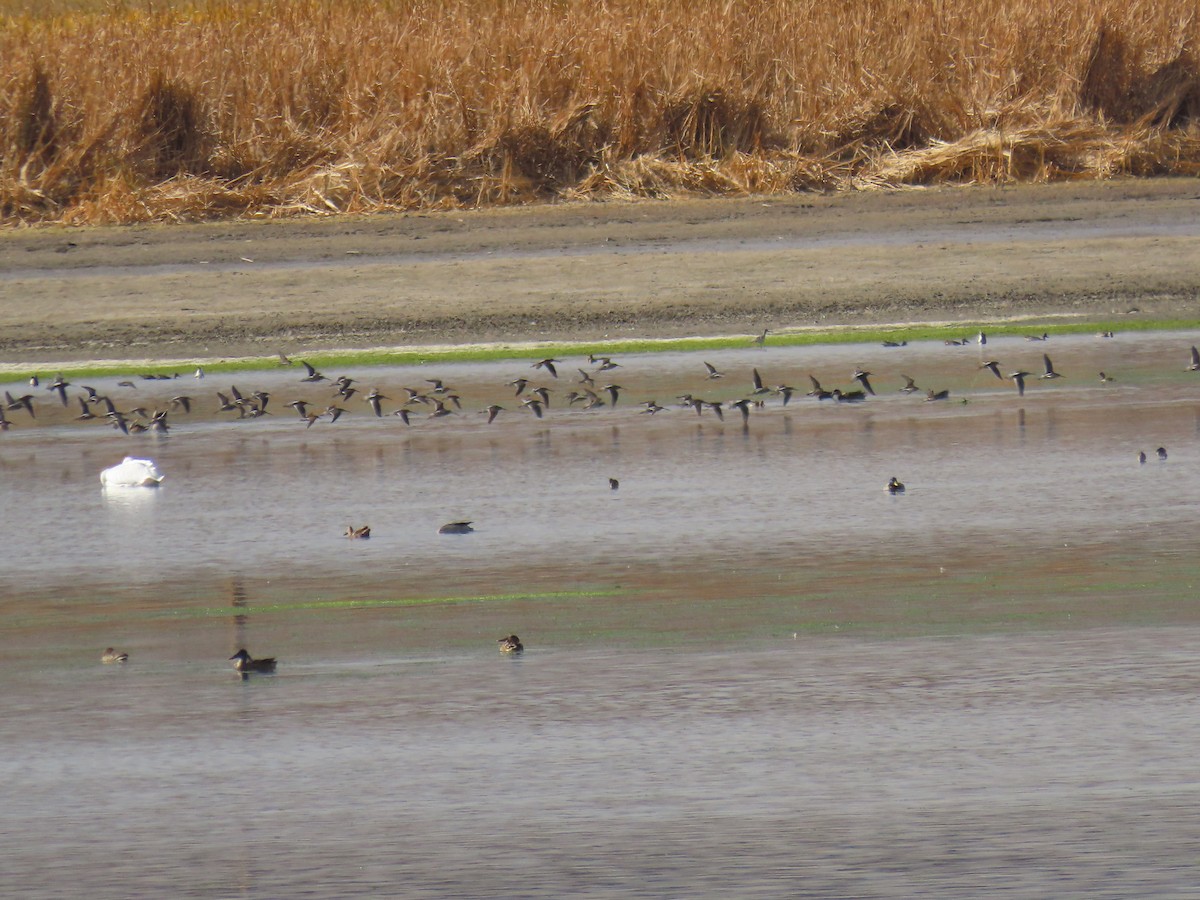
(589, 271)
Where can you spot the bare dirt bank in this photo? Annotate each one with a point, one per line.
(590, 271)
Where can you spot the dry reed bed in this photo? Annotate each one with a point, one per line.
(274, 107)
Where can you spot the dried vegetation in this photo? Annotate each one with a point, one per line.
(174, 111)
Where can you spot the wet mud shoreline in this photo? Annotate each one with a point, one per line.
(616, 271)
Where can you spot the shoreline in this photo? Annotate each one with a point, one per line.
(1118, 251)
(365, 357)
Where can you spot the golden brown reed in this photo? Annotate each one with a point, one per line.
(166, 111)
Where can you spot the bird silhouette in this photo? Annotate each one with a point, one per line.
(548, 365)
(861, 377)
(1019, 380)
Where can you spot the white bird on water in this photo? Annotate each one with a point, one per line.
(132, 472)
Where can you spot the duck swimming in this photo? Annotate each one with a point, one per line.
(511, 644)
(245, 664)
(355, 533)
(895, 486)
(113, 656)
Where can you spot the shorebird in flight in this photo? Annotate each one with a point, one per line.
(994, 367)
(1195, 365)
(548, 365)
(1049, 373)
(861, 377)
(712, 371)
(1019, 379)
(759, 388)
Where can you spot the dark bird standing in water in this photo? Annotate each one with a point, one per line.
(613, 484)
(1162, 453)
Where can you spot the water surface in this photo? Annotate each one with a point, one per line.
(750, 670)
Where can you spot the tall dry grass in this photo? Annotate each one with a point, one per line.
(169, 111)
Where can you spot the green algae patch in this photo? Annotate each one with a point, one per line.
(494, 352)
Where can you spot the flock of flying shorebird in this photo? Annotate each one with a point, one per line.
(593, 388)
(438, 399)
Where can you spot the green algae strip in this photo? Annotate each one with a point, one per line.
(314, 605)
(466, 353)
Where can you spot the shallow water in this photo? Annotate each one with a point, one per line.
(750, 670)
